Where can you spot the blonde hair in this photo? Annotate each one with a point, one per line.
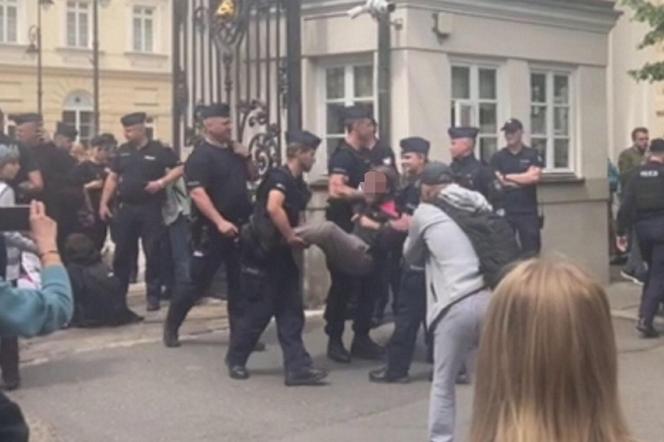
(547, 366)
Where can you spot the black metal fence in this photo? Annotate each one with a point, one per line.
(234, 51)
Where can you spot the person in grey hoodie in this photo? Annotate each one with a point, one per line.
(457, 296)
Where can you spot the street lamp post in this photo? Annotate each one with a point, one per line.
(35, 47)
(95, 63)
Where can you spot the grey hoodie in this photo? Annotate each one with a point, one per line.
(452, 266)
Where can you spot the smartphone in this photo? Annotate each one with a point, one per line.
(15, 219)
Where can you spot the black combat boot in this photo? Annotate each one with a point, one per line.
(383, 376)
(647, 330)
(337, 352)
(307, 376)
(364, 348)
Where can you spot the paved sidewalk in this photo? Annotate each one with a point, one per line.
(121, 384)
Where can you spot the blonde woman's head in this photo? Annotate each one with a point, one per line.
(547, 369)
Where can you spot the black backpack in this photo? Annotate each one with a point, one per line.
(492, 238)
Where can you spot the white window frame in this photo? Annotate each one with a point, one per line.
(348, 99)
(150, 125)
(5, 4)
(549, 159)
(144, 17)
(78, 108)
(473, 103)
(78, 11)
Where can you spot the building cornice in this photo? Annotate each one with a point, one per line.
(115, 74)
(597, 16)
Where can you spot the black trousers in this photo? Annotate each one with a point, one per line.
(205, 261)
(650, 233)
(342, 288)
(411, 312)
(527, 228)
(133, 222)
(271, 290)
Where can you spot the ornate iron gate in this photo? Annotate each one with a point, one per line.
(234, 51)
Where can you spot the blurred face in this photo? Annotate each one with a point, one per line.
(375, 185)
(307, 158)
(514, 138)
(428, 193)
(219, 129)
(364, 130)
(63, 142)
(9, 171)
(135, 134)
(642, 141)
(461, 147)
(100, 155)
(412, 163)
(27, 133)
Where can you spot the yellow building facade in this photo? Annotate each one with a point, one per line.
(134, 60)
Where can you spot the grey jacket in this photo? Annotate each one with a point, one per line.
(452, 266)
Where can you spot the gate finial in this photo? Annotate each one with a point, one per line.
(226, 10)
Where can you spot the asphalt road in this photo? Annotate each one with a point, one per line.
(122, 385)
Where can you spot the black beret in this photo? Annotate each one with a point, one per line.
(416, 145)
(215, 110)
(437, 173)
(26, 118)
(463, 132)
(133, 119)
(512, 125)
(357, 112)
(66, 130)
(304, 138)
(657, 145)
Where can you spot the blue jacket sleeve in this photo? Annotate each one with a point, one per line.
(28, 313)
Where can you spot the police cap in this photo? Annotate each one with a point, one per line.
(304, 138)
(415, 145)
(512, 125)
(133, 119)
(437, 173)
(657, 146)
(26, 118)
(66, 130)
(463, 132)
(356, 112)
(215, 110)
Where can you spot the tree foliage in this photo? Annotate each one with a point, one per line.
(653, 15)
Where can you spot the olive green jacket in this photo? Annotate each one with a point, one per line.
(629, 160)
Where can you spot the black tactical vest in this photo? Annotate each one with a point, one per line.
(649, 187)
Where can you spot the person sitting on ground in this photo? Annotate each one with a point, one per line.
(28, 313)
(547, 368)
(98, 296)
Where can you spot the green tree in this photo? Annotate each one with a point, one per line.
(652, 15)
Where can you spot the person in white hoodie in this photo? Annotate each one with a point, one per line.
(457, 296)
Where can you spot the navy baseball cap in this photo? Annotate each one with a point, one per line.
(437, 173)
(512, 125)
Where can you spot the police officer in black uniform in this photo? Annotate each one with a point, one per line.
(470, 172)
(411, 309)
(642, 208)
(217, 173)
(519, 170)
(347, 166)
(60, 193)
(140, 171)
(271, 281)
